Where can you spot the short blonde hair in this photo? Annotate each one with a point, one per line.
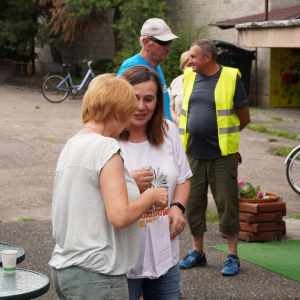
(106, 96)
(184, 58)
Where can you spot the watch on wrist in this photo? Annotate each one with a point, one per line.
(179, 205)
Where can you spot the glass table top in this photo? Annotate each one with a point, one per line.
(20, 255)
(23, 282)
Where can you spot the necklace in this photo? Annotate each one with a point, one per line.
(95, 129)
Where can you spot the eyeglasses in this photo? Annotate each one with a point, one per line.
(162, 43)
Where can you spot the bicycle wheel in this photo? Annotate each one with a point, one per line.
(52, 92)
(293, 171)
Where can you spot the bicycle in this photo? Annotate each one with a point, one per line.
(293, 169)
(56, 88)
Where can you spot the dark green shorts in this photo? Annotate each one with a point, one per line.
(221, 175)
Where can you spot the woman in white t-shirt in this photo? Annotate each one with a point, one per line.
(154, 156)
(176, 89)
(96, 203)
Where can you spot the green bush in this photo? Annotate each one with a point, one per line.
(127, 28)
(103, 65)
(78, 70)
(188, 33)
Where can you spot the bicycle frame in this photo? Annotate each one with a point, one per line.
(66, 90)
(79, 87)
(72, 86)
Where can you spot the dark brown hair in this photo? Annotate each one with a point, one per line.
(157, 125)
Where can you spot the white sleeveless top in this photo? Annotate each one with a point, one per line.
(84, 236)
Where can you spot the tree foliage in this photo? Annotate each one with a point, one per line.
(129, 35)
(62, 21)
(66, 20)
(132, 16)
(70, 19)
(73, 18)
(19, 26)
(188, 33)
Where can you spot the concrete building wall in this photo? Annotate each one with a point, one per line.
(210, 11)
(279, 4)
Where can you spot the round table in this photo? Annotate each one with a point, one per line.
(23, 285)
(20, 255)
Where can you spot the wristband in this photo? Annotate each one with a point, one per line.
(179, 205)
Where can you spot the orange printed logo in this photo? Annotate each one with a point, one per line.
(152, 218)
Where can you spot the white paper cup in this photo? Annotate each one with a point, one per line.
(9, 260)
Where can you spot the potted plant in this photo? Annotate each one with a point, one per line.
(249, 193)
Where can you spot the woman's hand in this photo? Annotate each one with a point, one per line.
(142, 178)
(177, 220)
(175, 117)
(157, 208)
(160, 198)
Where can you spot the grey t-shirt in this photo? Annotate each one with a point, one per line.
(202, 118)
(84, 236)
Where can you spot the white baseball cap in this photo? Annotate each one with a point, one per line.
(158, 29)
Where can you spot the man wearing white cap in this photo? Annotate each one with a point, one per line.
(156, 38)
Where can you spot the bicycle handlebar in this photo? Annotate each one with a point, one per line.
(88, 62)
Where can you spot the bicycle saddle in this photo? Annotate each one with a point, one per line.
(66, 66)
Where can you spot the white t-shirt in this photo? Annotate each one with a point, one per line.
(176, 94)
(84, 236)
(170, 167)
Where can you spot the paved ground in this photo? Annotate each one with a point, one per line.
(34, 131)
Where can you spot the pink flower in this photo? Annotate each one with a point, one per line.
(241, 182)
(260, 194)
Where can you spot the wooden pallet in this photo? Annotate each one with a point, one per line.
(263, 236)
(260, 218)
(262, 227)
(258, 208)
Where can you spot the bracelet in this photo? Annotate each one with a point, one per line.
(179, 205)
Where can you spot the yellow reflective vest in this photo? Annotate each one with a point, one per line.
(227, 120)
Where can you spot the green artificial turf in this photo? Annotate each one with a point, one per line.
(280, 257)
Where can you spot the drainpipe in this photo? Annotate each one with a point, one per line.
(255, 80)
(266, 10)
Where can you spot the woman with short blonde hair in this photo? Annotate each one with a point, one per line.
(184, 58)
(106, 95)
(176, 89)
(96, 203)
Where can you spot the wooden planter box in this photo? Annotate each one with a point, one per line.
(262, 221)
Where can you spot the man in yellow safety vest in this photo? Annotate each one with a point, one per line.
(214, 111)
